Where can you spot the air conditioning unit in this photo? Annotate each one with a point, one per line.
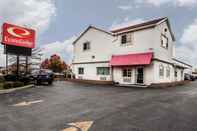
(128, 80)
(103, 78)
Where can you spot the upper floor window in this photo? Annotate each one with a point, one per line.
(164, 41)
(80, 71)
(102, 70)
(161, 70)
(126, 39)
(86, 46)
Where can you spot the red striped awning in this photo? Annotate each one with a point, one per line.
(131, 59)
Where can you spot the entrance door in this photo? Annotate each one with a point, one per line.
(140, 75)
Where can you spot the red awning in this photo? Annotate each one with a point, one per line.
(131, 59)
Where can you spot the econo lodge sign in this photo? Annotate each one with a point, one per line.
(18, 36)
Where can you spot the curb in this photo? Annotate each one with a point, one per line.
(15, 89)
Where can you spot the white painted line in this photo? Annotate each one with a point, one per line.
(84, 126)
(25, 103)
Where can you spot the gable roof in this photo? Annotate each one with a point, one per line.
(90, 27)
(145, 25)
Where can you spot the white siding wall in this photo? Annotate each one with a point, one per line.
(142, 41)
(90, 71)
(159, 79)
(148, 77)
(172, 78)
(159, 51)
(100, 47)
(103, 46)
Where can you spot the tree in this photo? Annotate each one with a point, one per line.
(54, 63)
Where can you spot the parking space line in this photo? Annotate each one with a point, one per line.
(28, 103)
(82, 126)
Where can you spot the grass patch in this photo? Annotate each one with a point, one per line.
(11, 85)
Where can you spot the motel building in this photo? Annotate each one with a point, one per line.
(142, 54)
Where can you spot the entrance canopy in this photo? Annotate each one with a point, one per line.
(131, 59)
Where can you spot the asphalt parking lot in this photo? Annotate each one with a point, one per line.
(101, 108)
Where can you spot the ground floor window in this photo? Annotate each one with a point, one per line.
(182, 74)
(127, 72)
(103, 70)
(161, 70)
(168, 72)
(175, 73)
(80, 71)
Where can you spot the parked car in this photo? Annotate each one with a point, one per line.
(193, 78)
(189, 77)
(44, 75)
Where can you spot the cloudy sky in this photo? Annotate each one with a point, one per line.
(59, 22)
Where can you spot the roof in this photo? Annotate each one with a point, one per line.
(145, 25)
(151, 22)
(184, 63)
(131, 59)
(89, 27)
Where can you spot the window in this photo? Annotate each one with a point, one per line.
(164, 41)
(126, 72)
(102, 70)
(168, 72)
(182, 74)
(161, 70)
(81, 71)
(126, 39)
(175, 73)
(86, 46)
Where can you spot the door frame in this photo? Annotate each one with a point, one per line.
(131, 77)
(136, 75)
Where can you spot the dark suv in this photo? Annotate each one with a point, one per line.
(44, 75)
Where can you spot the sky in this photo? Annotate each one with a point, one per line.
(59, 22)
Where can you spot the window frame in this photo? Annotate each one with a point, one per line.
(87, 45)
(161, 71)
(81, 71)
(162, 42)
(103, 71)
(128, 73)
(127, 40)
(168, 71)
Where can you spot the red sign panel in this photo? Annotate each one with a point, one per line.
(18, 36)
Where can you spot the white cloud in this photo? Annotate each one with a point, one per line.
(188, 49)
(126, 22)
(32, 13)
(173, 2)
(36, 14)
(64, 49)
(125, 7)
(158, 3)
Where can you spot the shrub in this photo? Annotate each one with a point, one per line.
(8, 85)
(1, 86)
(2, 79)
